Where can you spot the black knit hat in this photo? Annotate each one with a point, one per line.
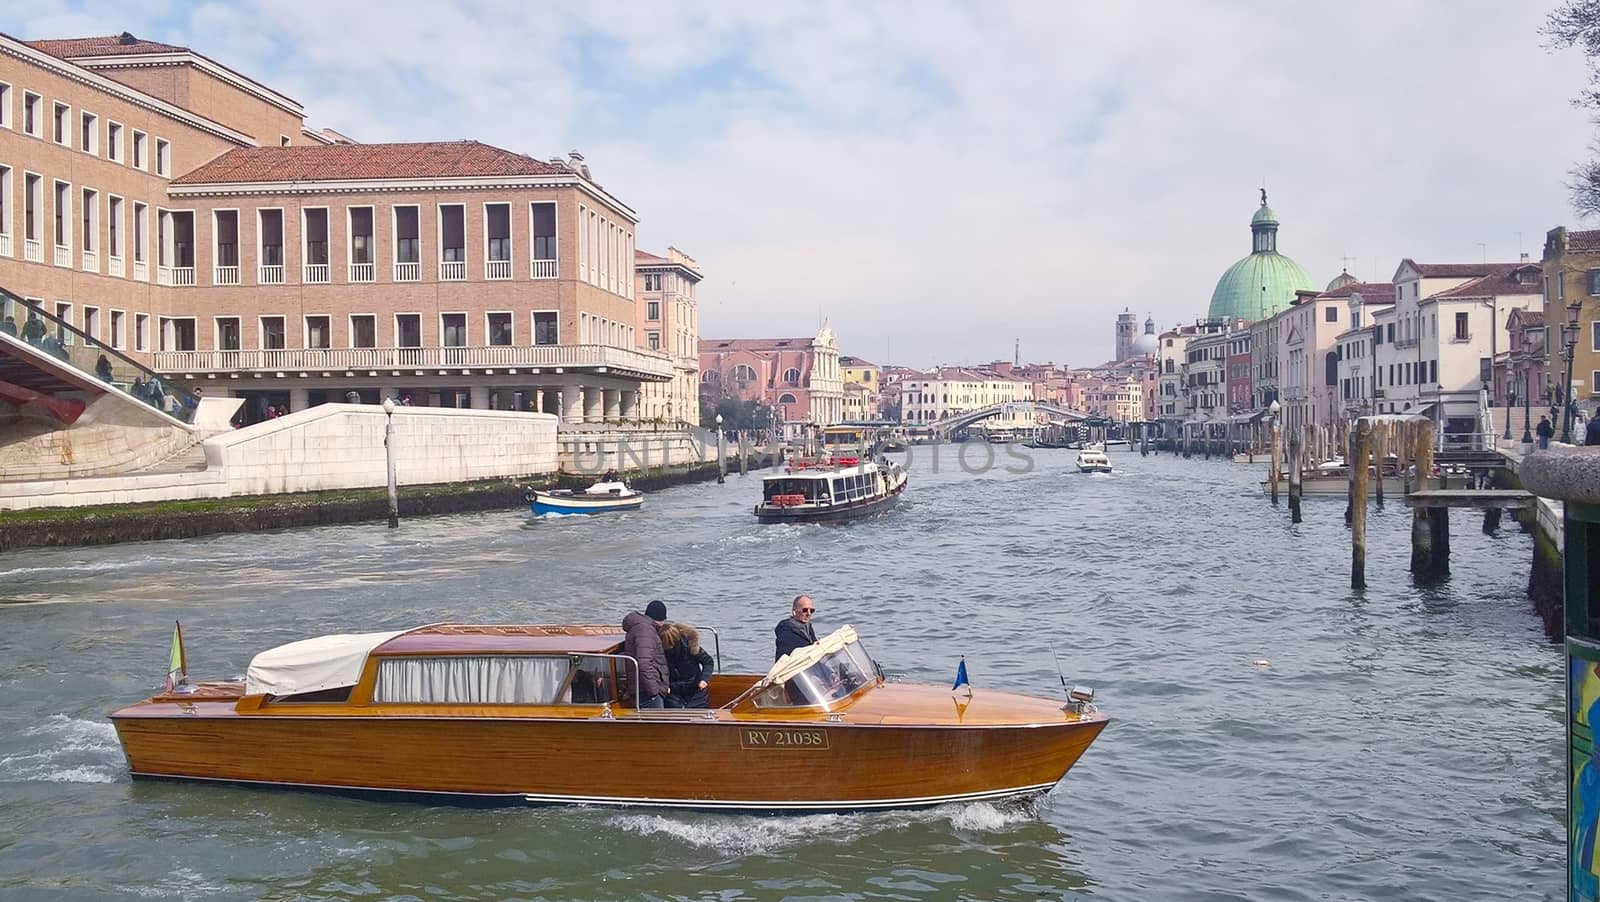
(656, 611)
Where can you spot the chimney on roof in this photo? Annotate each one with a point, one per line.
(1524, 256)
(126, 38)
(575, 160)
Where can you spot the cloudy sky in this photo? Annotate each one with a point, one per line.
(939, 180)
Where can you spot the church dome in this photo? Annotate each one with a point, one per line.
(1147, 343)
(1341, 280)
(1263, 283)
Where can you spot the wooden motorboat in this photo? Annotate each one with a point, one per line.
(1093, 460)
(549, 714)
(598, 498)
(830, 489)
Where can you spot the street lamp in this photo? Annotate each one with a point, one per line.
(1527, 391)
(722, 457)
(1569, 340)
(388, 453)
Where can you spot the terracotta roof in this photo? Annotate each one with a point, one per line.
(341, 162)
(1458, 270)
(1528, 318)
(847, 360)
(123, 44)
(1583, 241)
(1361, 288)
(648, 258)
(713, 345)
(1500, 283)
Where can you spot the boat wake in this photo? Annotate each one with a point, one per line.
(756, 834)
(70, 750)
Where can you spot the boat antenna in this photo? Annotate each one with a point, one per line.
(1059, 674)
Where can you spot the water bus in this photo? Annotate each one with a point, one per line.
(829, 489)
(549, 714)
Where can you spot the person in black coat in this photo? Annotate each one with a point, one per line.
(642, 642)
(1591, 432)
(689, 667)
(795, 631)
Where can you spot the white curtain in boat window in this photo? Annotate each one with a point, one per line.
(474, 680)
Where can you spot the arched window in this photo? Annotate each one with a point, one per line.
(742, 373)
(791, 376)
(786, 398)
(710, 376)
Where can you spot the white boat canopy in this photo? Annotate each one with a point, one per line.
(311, 665)
(795, 662)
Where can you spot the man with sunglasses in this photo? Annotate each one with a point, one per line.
(795, 630)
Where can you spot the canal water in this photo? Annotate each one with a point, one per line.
(1404, 743)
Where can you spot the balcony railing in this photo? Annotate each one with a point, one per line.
(544, 269)
(315, 274)
(497, 269)
(114, 267)
(5, 244)
(612, 359)
(63, 256)
(224, 275)
(91, 261)
(407, 272)
(182, 276)
(141, 270)
(363, 272)
(452, 270)
(269, 274)
(32, 251)
(1406, 342)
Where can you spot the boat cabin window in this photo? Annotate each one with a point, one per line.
(475, 680)
(836, 677)
(805, 488)
(336, 694)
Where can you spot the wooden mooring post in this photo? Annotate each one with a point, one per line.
(1380, 451)
(1358, 504)
(1295, 454)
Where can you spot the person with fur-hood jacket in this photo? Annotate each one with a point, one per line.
(689, 665)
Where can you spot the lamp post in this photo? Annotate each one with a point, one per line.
(722, 457)
(1527, 390)
(388, 453)
(1569, 340)
(1274, 475)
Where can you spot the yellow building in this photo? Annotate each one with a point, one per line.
(1572, 277)
(861, 402)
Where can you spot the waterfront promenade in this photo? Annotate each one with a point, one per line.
(1402, 743)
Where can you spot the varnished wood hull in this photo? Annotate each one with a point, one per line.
(736, 764)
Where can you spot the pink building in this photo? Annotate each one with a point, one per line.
(799, 378)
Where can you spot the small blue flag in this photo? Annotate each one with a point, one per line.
(961, 676)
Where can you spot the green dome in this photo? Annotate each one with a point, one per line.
(1264, 282)
(1341, 280)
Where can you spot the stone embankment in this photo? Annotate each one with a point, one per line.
(108, 524)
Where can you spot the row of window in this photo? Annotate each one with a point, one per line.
(87, 132)
(605, 253)
(175, 234)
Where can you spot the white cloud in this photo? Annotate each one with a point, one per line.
(959, 175)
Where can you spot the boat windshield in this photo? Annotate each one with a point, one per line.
(834, 677)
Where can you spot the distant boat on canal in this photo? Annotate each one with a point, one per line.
(1093, 460)
(830, 489)
(550, 715)
(602, 497)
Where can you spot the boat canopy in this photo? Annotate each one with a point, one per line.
(312, 665)
(797, 661)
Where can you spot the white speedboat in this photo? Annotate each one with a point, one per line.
(601, 497)
(1093, 460)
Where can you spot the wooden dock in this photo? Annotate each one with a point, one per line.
(1496, 498)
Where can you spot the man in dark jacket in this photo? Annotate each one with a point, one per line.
(689, 666)
(795, 631)
(643, 644)
(1545, 431)
(1591, 433)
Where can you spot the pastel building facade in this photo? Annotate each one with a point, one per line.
(799, 378)
(183, 214)
(669, 323)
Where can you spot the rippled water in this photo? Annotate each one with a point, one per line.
(1401, 744)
